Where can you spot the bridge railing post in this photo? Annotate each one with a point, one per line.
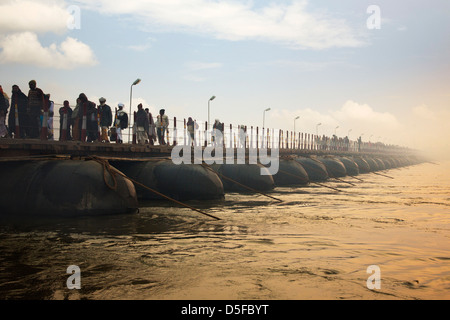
(135, 128)
(206, 134)
(184, 133)
(279, 139)
(231, 136)
(175, 131)
(257, 137)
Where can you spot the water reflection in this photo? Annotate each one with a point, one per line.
(316, 244)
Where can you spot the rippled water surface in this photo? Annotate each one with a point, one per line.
(316, 244)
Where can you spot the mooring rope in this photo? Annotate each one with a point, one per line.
(343, 181)
(328, 172)
(238, 183)
(111, 170)
(313, 182)
(37, 158)
(383, 175)
(107, 168)
(356, 178)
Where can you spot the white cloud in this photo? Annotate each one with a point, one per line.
(195, 66)
(139, 47)
(23, 20)
(307, 66)
(144, 46)
(352, 118)
(193, 78)
(25, 48)
(423, 112)
(363, 113)
(37, 16)
(288, 24)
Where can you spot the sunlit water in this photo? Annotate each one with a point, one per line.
(316, 244)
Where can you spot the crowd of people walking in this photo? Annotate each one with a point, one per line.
(30, 116)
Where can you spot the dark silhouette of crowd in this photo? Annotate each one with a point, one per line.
(27, 116)
(30, 116)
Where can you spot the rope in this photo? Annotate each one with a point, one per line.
(107, 168)
(383, 175)
(31, 158)
(240, 184)
(115, 171)
(356, 178)
(313, 182)
(329, 173)
(352, 184)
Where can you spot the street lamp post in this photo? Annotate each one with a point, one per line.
(264, 124)
(294, 122)
(295, 135)
(336, 130)
(317, 128)
(209, 101)
(264, 117)
(130, 116)
(209, 123)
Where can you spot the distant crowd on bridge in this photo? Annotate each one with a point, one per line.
(31, 116)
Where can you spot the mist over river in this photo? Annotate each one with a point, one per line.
(316, 244)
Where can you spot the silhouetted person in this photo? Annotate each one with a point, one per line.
(65, 121)
(162, 123)
(3, 112)
(105, 119)
(151, 127)
(88, 111)
(35, 105)
(218, 132)
(92, 121)
(77, 117)
(20, 100)
(141, 125)
(191, 129)
(121, 122)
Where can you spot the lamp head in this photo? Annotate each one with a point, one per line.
(297, 118)
(136, 82)
(268, 109)
(212, 98)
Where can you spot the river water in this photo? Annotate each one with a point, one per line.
(316, 244)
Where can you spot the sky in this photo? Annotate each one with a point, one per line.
(379, 69)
